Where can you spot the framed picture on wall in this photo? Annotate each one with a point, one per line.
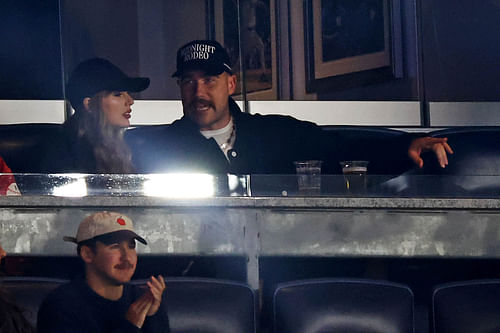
(254, 61)
(351, 42)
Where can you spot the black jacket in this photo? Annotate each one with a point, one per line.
(264, 145)
(66, 153)
(75, 307)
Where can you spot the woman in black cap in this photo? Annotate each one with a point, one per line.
(92, 139)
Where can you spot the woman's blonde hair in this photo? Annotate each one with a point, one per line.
(111, 153)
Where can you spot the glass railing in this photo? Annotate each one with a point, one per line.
(205, 185)
(378, 186)
(155, 185)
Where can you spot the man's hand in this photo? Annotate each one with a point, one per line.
(440, 147)
(156, 287)
(137, 311)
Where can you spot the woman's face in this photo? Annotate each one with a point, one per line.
(116, 108)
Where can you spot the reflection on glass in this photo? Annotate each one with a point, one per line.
(70, 186)
(239, 185)
(205, 185)
(179, 185)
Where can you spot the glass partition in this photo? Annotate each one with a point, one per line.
(130, 185)
(345, 50)
(210, 186)
(339, 50)
(401, 53)
(280, 50)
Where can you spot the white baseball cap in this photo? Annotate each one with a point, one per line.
(104, 223)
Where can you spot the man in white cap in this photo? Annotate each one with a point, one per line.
(104, 301)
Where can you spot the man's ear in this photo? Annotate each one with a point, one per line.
(86, 103)
(231, 83)
(87, 254)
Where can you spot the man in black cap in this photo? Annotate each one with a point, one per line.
(104, 302)
(214, 136)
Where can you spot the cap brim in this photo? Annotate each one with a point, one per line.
(70, 239)
(111, 237)
(119, 236)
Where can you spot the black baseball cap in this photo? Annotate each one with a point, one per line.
(97, 74)
(205, 55)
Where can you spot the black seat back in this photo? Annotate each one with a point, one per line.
(20, 144)
(384, 148)
(476, 152)
(468, 306)
(200, 305)
(473, 168)
(29, 292)
(342, 306)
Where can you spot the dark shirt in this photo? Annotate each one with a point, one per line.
(75, 307)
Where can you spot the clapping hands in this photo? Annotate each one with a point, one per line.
(149, 303)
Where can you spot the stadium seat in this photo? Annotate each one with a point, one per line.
(343, 306)
(467, 306)
(29, 292)
(201, 305)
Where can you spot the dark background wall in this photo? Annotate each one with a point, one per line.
(402, 88)
(96, 28)
(461, 50)
(30, 52)
(459, 45)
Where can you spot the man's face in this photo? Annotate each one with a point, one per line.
(114, 264)
(205, 98)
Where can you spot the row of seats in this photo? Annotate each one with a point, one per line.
(194, 304)
(476, 148)
(356, 306)
(306, 306)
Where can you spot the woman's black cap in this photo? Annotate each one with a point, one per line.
(97, 74)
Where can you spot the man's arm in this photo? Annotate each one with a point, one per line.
(67, 311)
(439, 146)
(56, 318)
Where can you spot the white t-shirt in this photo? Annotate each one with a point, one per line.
(224, 137)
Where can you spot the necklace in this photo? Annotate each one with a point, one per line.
(226, 144)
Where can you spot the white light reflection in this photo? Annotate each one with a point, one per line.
(74, 187)
(178, 185)
(233, 182)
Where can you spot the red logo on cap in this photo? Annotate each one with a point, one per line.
(120, 221)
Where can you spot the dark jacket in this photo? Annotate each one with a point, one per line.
(264, 145)
(65, 152)
(75, 307)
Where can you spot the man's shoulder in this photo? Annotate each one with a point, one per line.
(152, 133)
(66, 291)
(275, 121)
(271, 117)
(146, 132)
